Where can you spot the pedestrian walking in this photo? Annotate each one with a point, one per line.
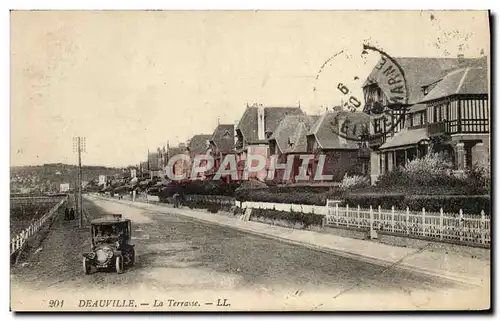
(176, 200)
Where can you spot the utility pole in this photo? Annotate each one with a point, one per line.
(80, 145)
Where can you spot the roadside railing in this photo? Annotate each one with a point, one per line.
(452, 227)
(18, 241)
(285, 207)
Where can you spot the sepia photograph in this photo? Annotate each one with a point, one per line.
(250, 161)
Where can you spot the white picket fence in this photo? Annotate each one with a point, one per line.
(463, 228)
(459, 227)
(20, 239)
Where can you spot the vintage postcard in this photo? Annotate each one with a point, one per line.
(197, 161)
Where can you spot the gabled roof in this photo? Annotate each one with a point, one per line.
(223, 137)
(272, 117)
(176, 150)
(290, 135)
(198, 143)
(326, 127)
(420, 72)
(406, 137)
(461, 81)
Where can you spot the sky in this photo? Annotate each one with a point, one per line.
(130, 81)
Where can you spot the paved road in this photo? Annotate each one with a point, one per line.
(179, 255)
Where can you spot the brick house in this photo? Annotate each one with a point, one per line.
(447, 112)
(253, 130)
(221, 143)
(290, 138)
(180, 166)
(342, 155)
(197, 145)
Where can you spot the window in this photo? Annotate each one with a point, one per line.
(227, 134)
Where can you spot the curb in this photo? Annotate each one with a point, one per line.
(365, 258)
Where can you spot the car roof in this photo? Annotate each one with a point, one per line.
(108, 221)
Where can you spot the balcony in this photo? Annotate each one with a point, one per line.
(439, 129)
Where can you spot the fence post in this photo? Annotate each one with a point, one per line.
(407, 220)
(483, 228)
(358, 216)
(337, 214)
(460, 227)
(18, 241)
(373, 234)
(392, 219)
(441, 216)
(423, 221)
(347, 215)
(13, 245)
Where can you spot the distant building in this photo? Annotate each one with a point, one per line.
(133, 173)
(102, 180)
(63, 188)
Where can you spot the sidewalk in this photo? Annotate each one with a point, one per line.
(449, 266)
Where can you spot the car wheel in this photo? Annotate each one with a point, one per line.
(86, 266)
(119, 264)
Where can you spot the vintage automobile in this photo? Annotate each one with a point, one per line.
(111, 248)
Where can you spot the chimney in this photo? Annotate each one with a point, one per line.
(236, 122)
(261, 131)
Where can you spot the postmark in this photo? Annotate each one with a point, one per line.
(372, 103)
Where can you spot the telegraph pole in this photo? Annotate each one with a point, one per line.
(80, 144)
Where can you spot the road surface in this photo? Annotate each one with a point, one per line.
(179, 255)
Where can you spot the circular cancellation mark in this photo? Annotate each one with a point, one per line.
(384, 97)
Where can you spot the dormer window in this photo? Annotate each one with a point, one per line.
(227, 134)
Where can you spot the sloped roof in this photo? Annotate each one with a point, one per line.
(290, 135)
(420, 72)
(325, 129)
(198, 143)
(417, 107)
(223, 137)
(298, 139)
(461, 81)
(406, 137)
(176, 150)
(272, 118)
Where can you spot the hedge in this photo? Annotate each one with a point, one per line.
(210, 207)
(426, 183)
(200, 188)
(292, 198)
(292, 217)
(470, 204)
